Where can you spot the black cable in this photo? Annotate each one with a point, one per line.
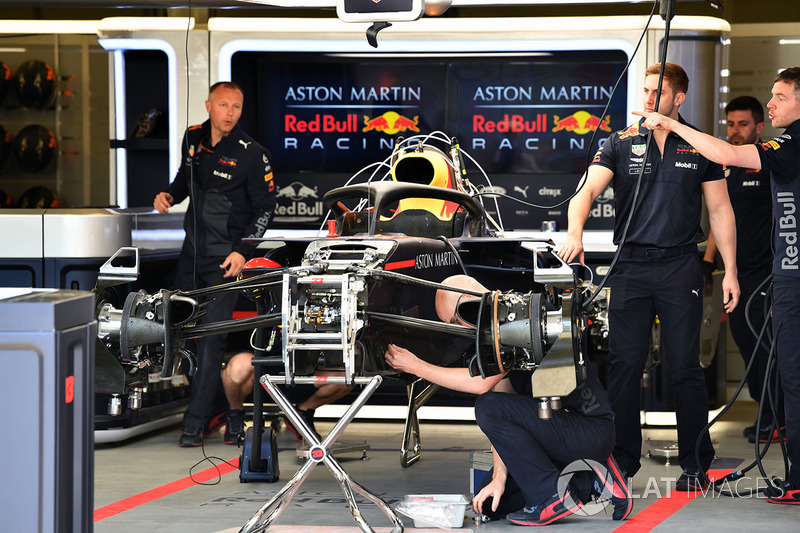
(590, 152)
(206, 458)
(739, 473)
(455, 253)
(410, 280)
(771, 376)
(768, 347)
(767, 397)
(635, 199)
(191, 178)
(767, 293)
(766, 394)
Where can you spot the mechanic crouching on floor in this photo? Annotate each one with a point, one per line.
(529, 453)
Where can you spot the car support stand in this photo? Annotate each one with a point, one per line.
(410, 449)
(319, 453)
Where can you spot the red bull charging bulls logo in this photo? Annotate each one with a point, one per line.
(581, 123)
(391, 123)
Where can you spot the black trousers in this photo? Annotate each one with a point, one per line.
(642, 287)
(208, 396)
(786, 331)
(535, 451)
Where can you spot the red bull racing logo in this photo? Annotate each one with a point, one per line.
(632, 131)
(581, 122)
(391, 123)
(298, 199)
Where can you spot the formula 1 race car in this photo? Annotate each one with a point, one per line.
(339, 300)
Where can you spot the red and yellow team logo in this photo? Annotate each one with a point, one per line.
(632, 131)
(581, 122)
(391, 123)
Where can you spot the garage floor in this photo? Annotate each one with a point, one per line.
(150, 485)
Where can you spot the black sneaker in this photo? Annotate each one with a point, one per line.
(768, 435)
(234, 427)
(547, 512)
(784, 493)
(614, 485)
(191, 437)
(749, 431)
(308, 417)
(692, 480)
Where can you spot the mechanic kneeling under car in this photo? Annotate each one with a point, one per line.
(529, 453)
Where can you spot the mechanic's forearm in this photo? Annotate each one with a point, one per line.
(578, 214)
(711, 248)
(454, 378)
(499, 470)
(723, 227)
(710, 147)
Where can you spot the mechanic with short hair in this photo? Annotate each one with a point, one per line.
(658, 271)
(228, 179)
(529, 453)
(781, 157)
(751, 198)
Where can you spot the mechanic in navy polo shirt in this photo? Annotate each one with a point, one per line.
(658, 271)
(781, 157)
(227, 177)
(751, 199)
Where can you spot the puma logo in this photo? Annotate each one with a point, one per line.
(696, 292)
(245, 144)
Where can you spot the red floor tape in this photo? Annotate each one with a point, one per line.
(645, 520)
(654, 514)
(165, 490)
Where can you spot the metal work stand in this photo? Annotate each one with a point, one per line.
(319, 452)
(410, 449)
(303, 449)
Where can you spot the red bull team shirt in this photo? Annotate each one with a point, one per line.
(781, 157)
(232, 189)
(669, 206)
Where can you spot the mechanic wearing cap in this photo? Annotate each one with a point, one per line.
(751, 199)
(529, 453)
(781, 157)
(658, 271)
(227, 177)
